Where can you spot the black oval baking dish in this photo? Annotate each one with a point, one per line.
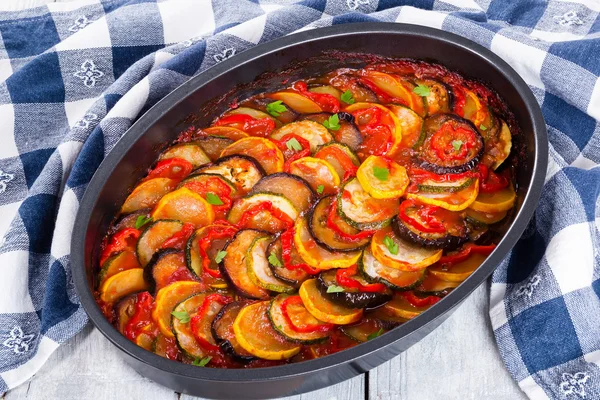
(208, 94)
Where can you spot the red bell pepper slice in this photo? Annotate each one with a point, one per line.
(172, 168)
(141, 318)
(331, 224)
(125, 239)
(420, 301)
(425, 212)
(253, 126)
(342, 158)
(287, 240)
(216, 186)
(292, 155)
(377, 136)
(303, 328)
(345, 278)
(465, 252)
(443, 142)
(197, 319)
(216, 232)
(489, 181)
(327, 102)
(179, 239)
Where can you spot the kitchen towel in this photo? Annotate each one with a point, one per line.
(74, 76)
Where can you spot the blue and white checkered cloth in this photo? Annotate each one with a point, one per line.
(74, 77)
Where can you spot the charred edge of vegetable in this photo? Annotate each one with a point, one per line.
(311, 212)
(149, 268)
(234, 156)
(469, 165)
(447, 242)
(475, 223)
(224, 344)
(351, 299)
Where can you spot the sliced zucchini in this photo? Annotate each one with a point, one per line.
(152, 238)
(347, 135)
(319, 174)
(243, 171)
(213, 145)
(147, 194)
(412, 126)
(326, 89)
(298, 314)
(434, 286)
(166, 300)
(445, 187)
(396, 87)
(121, 261)
(452, 201)
(474, 110)
(194, 260)
(350, 297)
(182, 330)
(293, 277)
(123, 284)
(363, 331)
(324, 235)
(227, 132)
(255, 334)
(374, 271)
(262, 150)
(316, 256)
(297, 102)
(361, 210)
(292, 187)
(400, 308)
(382, 178)
(315, 133)
(233, 266)
(407, 256)
(258, 267)
(222, 331)
(160, 268)
(190, 152)
(484, 218)
(186, 206)
(264, 219)
(457, 272)
(496, 202)
(324, 309)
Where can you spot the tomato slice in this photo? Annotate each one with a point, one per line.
(216, 186)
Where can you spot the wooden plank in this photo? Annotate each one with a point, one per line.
(459, 360)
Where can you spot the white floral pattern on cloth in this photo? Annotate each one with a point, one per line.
(568, 19)
(189, 42)
(4, 179)
(528, 288)
(224, 55)
(574, 384)
(81, 22)
(85, 121)
(354, 4)
(18, 342)
(89, 74)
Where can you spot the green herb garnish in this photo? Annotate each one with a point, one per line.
(375, 334)
(276, 108)
(482, 127)
(220, 255)
(293, 144)
(213, 199)
(320, 189)
(332, 123)
(273, 260)
(141, 221)
(421, 90)
(457, 144)
(201, 363)
(391, 245)
(347, 97)
(182, 316)
(335, 289)
(381, 173)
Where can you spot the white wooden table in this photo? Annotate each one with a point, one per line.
(458, 361)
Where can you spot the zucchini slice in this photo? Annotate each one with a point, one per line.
(166, 300)
(363, 331)
(233, 266)
(382, 178)
(292, 187)
(262, 150)
(347, 135)
(484, 218)
(213, 145)
(227, 132)
(258, 267)
(400, 308)
(121, 261)
(361, 210)
(452, 201)
(502, 200)
(293, 277)
(434, 286)
(324, 309)
(324, 235)
(255, 334)
(298, 314)
(264, 219)
(326, 89)
(457, 272)
(318, 173)
(396, 87)
(445, 187)
(194, 260)
(186, 206)
(315, 133)
(222, 331)
(160, 268)
(374, 271)
(243, 171)
(190, 152)
(182, 330)
(473, 109)
(123, 284)
(350, 297)
(317, 256)
(297, 102)
(407, 256)
(152, 238)
(147, 194)
(411, 124)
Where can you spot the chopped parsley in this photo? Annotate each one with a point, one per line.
(213, 199)
(381, 173)
(141, 221)
(273, 260)
(201, 362)
(332, 123)
(220, 256)
(347, 97)
(276, 108)
(391, 245)
(335, 289)
(482, 127)
(421, 90)
(375, 334)
(320, 189)
(293, 144)
(457, 144)
(182, 316)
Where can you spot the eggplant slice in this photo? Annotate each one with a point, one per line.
(292, 187)
(448, 240)
(222, 331)
(350, 297)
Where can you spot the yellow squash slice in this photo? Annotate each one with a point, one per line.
(382, 178)
(323, 309)
(457, 201)
(122, 284)
(186, 206)
(166, 300)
